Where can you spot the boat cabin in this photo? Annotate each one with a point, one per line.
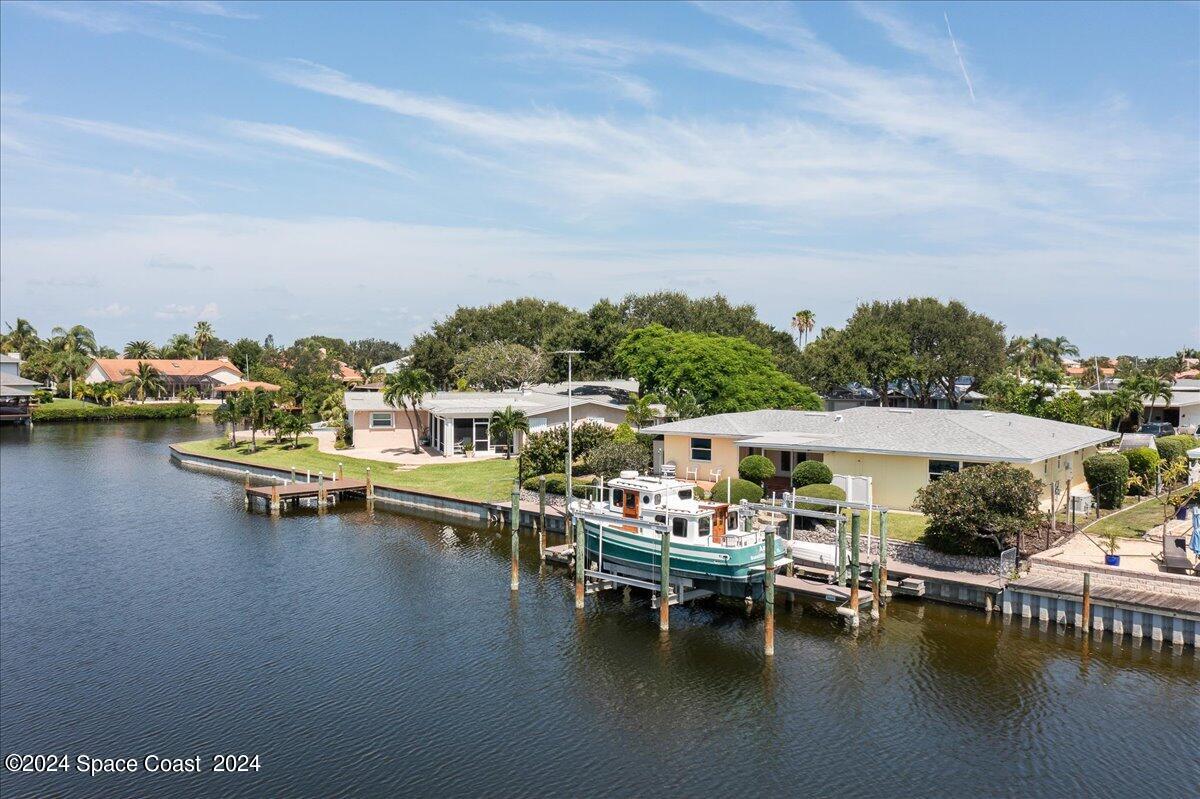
(669, 501)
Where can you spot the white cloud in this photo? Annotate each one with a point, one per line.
(192, 312)
(306, 141)
(207, 8)
(111, 311)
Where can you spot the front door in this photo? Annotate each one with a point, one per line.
(718, 529)
(659, 455)
(630, 511)
(481, 435)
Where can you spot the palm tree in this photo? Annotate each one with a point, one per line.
(75, 346)
(407, 389)
(145, 381)
(259, 406)
(1064, 348)
(507, 423)
(140, 349)
(227, 415)
(1158, 388)
(179, 345)
(803, 323)
(21, 337)
(112, 393)
(1018, 352)
(681, 404)
(641, 411)
(203, 336)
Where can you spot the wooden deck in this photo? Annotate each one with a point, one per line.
(1072, 587)
(818, 589)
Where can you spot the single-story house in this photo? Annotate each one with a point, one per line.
(15, 391)
(900, 449)
(244, 385)
(1182, 410)
(178, 373)
(448, 419)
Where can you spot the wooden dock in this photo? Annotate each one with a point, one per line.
(324, 492)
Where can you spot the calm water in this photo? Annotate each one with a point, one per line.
(143, 611)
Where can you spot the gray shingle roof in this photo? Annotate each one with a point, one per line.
(542, 398)
(971, 435)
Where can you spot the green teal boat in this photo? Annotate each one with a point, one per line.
(713, 548)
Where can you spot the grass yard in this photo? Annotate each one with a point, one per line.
(489, 479)
(63, 402)
(901, 526)
(1132, 521)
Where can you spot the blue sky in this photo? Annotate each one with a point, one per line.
(360, 170)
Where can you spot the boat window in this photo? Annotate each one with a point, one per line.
(658, 499)
(731, 521)
(679, 527)
(645, 499)
(618, 497)
(631, 499)
(661, 518)
(685, 494)
(705, 526)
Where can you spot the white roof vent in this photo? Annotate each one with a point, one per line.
(629, 474)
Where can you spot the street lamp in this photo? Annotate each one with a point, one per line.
(570, 430)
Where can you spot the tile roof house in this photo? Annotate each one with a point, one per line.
(901, 449)
(178, 373)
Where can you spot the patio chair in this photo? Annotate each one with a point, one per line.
(693, 473)
(715, 474)
(1175, 556)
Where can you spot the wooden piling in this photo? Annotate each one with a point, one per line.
(875, 591)
(580, 557)
(841, 552)
(542, 506)
(320, 489)
(1087, 601)
(275, 500)
(370, 485)
(884, 593)
(769, 594)
(293, 474)
(664, 583)
(855, 529)
(341, 472)
(514, 522)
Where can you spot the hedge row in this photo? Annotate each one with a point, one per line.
(557, 484)
(105, 413)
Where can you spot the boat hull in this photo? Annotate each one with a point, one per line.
(726, 571)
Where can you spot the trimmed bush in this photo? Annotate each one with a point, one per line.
(556, 484)
(1107, 475)
(809, 473)
(614, 457)
(1173, 448)
(981, 510)
(115, 413)
(698, 493)
(819, 491)
(1143, 463)
(739, 489)
(546, 452)
(756, 468)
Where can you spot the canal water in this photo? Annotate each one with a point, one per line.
(143, 611)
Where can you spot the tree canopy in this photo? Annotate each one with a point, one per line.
(724, 374)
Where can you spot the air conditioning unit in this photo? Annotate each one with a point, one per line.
(1081, 503)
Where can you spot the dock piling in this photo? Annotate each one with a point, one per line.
(542, 506)
(514, 522)
(1087, 601)
(664, 587)
(855, 529)
(293, 474)
(884, 593)
(370, 486)
(274, 500)
(580, 557)
(841, 552)
(769, 594)
(875, 592)
(341, 472)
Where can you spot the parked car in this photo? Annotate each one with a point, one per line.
(1158, 429)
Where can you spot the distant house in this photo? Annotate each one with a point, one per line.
(449, 419)
(900, 449)
(391, 367)
(178, 373)
(15, 391)
(1182, 410)
(901, 394)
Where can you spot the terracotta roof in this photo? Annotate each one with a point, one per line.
(348, 373)
(118, 369)
(247, 385)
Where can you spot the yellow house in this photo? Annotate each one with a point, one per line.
(900, 449)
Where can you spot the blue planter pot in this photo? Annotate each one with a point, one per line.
(1112, 560)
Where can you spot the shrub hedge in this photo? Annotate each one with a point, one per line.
(105, 413)
(809, 473)
(1107, 476)
(819, 491)
(1172, 448)
(1143, 462)
(614, 457)
(756, 468)
(739, 489)
(557, 484)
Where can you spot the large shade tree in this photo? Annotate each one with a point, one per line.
(723, 373)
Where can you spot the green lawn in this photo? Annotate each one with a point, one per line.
(63, 402)
(489, 479)
(901, 526)
(1133, 521)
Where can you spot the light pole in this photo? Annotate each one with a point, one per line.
(570, 430)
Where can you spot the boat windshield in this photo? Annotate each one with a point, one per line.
(705, 526)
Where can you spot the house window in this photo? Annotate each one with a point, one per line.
(381, 420)
(939, 468)
(785, 461)
(702, 449)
